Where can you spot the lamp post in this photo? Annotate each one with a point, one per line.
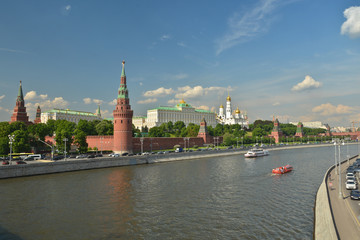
(293, 140)
(257, 140)
(142, 145)
(101, 142)
(237, 142)
(261, 140)
(184, 144)
(340, 143)
(242, 142)
(11, 141)
(65, 140)
(52, 148)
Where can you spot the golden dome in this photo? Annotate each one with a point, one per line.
(182, 101)
(228, 99)
(221, 106)
(237, 111)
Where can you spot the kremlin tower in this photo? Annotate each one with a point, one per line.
(20, 114)
(203, 132)
(123, 118)
(38, 115)
(276, 132)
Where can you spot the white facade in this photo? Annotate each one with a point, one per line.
(229, 118)
(315, 124)
(68, 115)
(181, 112)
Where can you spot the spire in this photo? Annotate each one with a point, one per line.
(20, 96)
(98, 113)
(123, 69)
(228, 99)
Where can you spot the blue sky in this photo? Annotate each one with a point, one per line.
(297, 59)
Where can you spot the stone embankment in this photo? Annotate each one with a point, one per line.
(69, 165)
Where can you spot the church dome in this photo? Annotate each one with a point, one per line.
(237, 111)
(228, 99)
(221, 106)
(182, 101)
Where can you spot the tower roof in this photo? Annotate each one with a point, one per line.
(237, 111)
(221, 106)
(228, 99)
(123, 69)
(20, 94)
(98, 113)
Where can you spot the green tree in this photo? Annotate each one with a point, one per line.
(21, 141)
(105, 127)
(228, 139)
(80, 141)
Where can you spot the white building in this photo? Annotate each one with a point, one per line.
(231, 118)
(69, 115)
(181, 112)
(315, 124)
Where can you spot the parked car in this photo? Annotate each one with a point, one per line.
(350, 175)
(124, 154)
(91, 156)
(20, 162)
(29, 158)
(351, 185)
(98, 155)
(82, 156)
(5, 162)
(350, 169)
(351, 179)
(116, 155)
(355, 194)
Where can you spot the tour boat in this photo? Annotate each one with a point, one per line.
(282, 170)
(256, 152)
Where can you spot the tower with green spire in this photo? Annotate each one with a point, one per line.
(19, 113)
(123, 118)
(98, 113)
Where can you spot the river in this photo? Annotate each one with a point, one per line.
(214, 198)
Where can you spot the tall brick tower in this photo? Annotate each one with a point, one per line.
(20, 114)
(38, 115)
(123, 118)
(276, 132)
(299, 130)
(203, 132)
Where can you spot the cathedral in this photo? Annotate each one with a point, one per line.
(231, 118)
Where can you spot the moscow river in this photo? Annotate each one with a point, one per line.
(212, 198)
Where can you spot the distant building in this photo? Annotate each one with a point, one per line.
(231, 118)
(68, 115)
(181, 112)
(315, 124)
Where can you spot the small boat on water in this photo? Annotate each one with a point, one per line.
(283, 169)
(256, 152)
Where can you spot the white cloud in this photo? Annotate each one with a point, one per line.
(87, 100)
(276, 104)
(32, 95)
(150, 100)
(45, 105)
(2, 97)
(308, 83)
(181, 44)
(113, 102)
(197, 91)
(328, 109)
(203, 107)
(165, 37)
(173, 101)
(12, 50)
(159, 92)
(242, 28)
(351, 26)
(66, 10)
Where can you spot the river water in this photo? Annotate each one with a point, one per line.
(213, 198)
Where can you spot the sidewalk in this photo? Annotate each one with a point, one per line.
(346, 217)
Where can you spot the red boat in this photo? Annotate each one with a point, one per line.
(282, 170)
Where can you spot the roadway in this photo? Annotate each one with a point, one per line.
(346, 212)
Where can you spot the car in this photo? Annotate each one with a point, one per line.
(91, 156)
(351, 179)
(145, 153)
(82, 156)
(230, 147)
(98, 155)
(5, 162)
(20, 162)
(350, 169)
(116, 155)
(131, 154)
(124, 154)
(350, 175)
(29, 158)
(355, 194)
(351, 185)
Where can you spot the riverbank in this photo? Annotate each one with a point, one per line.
(39, 168)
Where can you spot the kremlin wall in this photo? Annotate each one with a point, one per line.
(123, 142)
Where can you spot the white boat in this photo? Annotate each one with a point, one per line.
(256, 152)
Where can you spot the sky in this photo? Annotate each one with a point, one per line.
(298, 60)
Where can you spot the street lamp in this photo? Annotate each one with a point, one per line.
(184, 144)
(101, 142)
(65, 139)
(261, 139)
(242, 142)
(237, 142)
(52, 148)
(142, 145)
(11, 141)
